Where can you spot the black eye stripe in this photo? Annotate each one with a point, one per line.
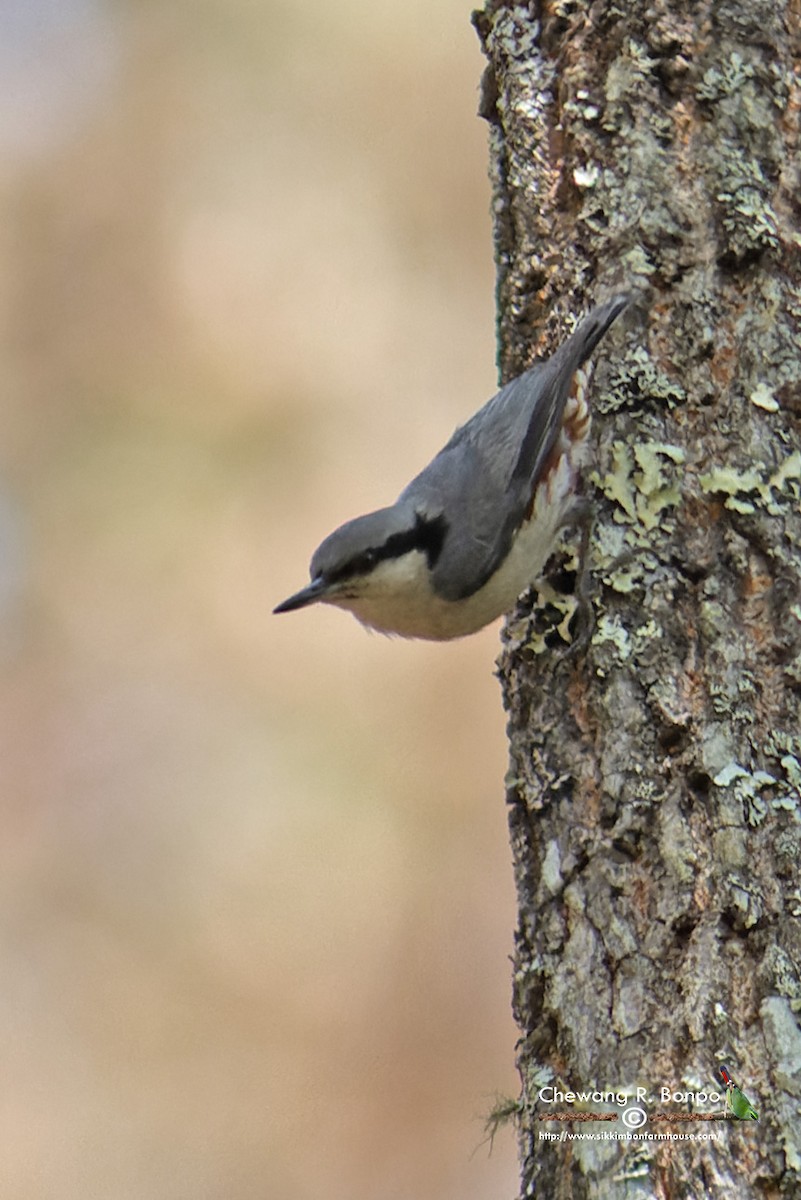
(426, 535)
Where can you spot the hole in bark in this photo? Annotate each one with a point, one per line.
(734, 921)
(734, 261)
(694, 571)
(627, 845)
(563, 581)
(789, 394)
(672, 738)
(699, 784)
(782, 655)
(665, 72)
(683, 928)
(607, 817)
(794, 685)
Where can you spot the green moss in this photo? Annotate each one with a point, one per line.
(642, 483)
(729, 482)
(767, 493)
(610, 629)
(561, 608)
(749, 787)
(505, 1111)
(624, 581)
(636, 378)
(721, 81)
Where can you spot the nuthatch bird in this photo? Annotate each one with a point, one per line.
(474, 529)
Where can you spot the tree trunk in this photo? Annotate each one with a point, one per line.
(654, 788)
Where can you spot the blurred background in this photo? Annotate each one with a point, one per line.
(257, 900)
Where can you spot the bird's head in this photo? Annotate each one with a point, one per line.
(367, 556)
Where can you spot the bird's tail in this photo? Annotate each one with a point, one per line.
(587, 334)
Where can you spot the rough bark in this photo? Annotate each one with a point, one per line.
(655, 782)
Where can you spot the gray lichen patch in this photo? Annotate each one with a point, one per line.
(644, 481)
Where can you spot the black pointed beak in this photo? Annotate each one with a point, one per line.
(314, 591)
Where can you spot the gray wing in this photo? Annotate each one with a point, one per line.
(481, 483)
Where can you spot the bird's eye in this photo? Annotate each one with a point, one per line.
(360, 564)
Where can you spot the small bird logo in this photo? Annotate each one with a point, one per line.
(738, 1102)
